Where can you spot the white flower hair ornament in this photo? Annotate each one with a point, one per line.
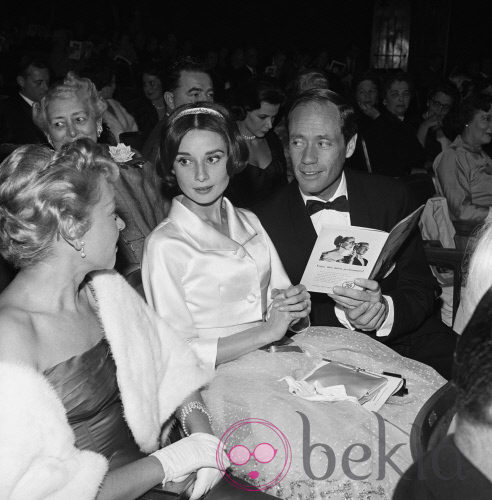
(121, 153)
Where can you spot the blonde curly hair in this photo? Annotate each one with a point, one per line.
(45, 195)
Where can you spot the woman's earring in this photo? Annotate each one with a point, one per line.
(82, 249)
(99, 129)
(50, 140)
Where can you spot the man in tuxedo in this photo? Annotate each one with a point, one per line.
(16, 125)
(398, 310)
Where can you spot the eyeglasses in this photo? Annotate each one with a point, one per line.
(439, 104)
(263, 453)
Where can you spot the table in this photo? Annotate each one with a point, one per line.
(324, 450)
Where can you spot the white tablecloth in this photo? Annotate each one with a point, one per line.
(249, 388)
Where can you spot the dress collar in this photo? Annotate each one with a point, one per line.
(206, 236)
(460, 143)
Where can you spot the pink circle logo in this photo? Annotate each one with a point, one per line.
(278, 455)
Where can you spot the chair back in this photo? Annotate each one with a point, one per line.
(445, 260)
(433, 420)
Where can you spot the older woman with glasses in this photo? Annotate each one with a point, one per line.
(431, 133)
(74, 109)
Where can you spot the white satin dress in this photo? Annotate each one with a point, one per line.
(206, 284)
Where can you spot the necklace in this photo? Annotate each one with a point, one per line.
(245, 136)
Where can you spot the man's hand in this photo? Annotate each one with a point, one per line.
(365, 309)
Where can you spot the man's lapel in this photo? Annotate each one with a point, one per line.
(360, 209)
(301, 221)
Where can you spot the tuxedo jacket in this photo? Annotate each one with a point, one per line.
(376, 202)
(16, 125)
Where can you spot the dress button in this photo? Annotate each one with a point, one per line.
(251, 297)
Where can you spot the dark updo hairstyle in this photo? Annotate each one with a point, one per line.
(391, 78)
(201, 116)
(46, 195)
(367, 76)
(446, 88)
(467, 109)
(249, 96)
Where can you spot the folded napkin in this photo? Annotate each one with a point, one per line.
(314, 391)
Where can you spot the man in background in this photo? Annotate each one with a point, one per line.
(16, 125)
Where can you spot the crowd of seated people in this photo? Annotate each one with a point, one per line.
(138, 155)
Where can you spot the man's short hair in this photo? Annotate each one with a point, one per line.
(171, 81)
(348, 123)
(30, 60)
(391, 78)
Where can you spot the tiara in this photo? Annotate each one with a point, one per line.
(198, 111)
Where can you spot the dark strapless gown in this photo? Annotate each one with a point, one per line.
(254, 184)
(87, 387)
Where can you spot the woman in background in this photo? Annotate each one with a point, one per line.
(74, 109)
(366, 107)
(266, 168)
(464, 170)
(116, 118)
(150, 108)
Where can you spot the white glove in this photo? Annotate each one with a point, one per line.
(206, 479)
(188, 455)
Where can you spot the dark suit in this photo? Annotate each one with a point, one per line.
(377, 202)
(443, 473)
(16, 125)
(153, 143)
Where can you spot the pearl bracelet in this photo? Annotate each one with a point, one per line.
(187, 409)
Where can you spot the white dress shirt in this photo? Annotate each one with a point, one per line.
(29, 101)
(334, 217)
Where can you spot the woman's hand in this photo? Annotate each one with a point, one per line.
(206, 479)
(295, 300)
(369, 110)
(189, 454)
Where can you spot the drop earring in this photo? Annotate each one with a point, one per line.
(82, 249)
(99, 129)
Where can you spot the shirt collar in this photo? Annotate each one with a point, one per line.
(27, 99)
(460, 143)
(341, 191)
(207, 237)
